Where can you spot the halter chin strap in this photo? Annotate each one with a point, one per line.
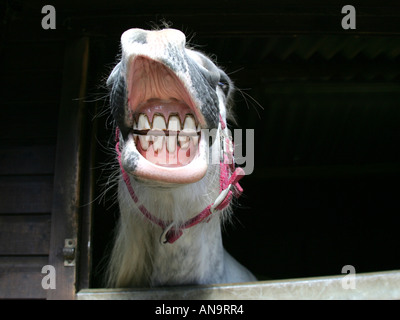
(229, 185)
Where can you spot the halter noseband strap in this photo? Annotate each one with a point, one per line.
(229, 185)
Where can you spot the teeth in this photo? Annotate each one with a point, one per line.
(158, 124)
(184, 141)
(143, 124)
(183, 136)
(189, 127)
(196, 138)
(174, 124)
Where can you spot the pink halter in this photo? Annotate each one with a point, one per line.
(229, 185)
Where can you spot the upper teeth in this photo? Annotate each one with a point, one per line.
(183, 134)
(174, 124)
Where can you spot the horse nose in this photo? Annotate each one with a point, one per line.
(156, 43)
(167, 37)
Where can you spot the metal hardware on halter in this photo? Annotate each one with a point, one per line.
(163, 237)
(221, 197)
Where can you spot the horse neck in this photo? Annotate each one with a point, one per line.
(194, 258)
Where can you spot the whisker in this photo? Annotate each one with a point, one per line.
(254, 103)
(235, 71)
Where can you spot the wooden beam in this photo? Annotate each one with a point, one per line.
(379, 285)
(209, 18)
(267, 22)
(250, 18)
(67, 192)
(88, 197)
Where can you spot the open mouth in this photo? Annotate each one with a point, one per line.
(166, 125)
(166, 132)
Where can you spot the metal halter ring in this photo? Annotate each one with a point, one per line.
(221, 197)
(163, 237)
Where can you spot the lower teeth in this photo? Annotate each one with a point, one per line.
(171, 142)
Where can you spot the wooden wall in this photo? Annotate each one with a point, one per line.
(30, 94)
(25, 211)
(27, 154)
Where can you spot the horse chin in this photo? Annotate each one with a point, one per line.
(141, 168)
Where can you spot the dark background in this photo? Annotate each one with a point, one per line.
(324, 104)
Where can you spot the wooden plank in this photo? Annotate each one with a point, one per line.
(48, 57)
(21, 277)
(27, 160)
(67, 177)
(24, 234)
(26, 194)
(380, 285)
(23, 86)
(28, 123)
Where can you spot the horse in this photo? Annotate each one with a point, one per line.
(177, 175)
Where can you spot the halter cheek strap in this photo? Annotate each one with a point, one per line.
(229, 186)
